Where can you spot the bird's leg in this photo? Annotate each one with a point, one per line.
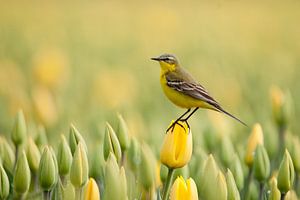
(179, 119)
(185, 119)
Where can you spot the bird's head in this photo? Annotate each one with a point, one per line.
(168, 62)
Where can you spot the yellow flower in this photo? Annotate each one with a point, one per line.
(177, 146)
(44, 105)
(50, 68)
(255, 138)
(92, 191)
(184, 190)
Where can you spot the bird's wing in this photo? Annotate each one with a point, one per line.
(190, 88)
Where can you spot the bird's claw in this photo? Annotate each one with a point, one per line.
(172, 126)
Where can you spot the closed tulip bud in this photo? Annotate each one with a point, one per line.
(163, 173)
(79, 168)
(19, 131)
(233, 192)
(255, 138)
(134, 154)
(92, 190)
(197, 162)
(111, 143)
(221, 186)
(261, 164)
(148, 166)
(274, 192)
(281, 106)
(48, 174)
(226, 151)
(58, 191)
(286, 174)
(96, 162)
(33, 156)
(184, 190)
(291, 195)
(4, 184)
(41, 137)
(177, 147)
(22, 175)
(122, 133)
(295, 152)
(74, 138)
(115, 180)
(208, 183)
(7, 155)
(64, 157)
(237, 171)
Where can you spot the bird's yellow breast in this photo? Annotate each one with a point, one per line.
(180, 99)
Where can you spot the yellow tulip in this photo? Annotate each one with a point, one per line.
(255, 138)
(184, 190)
(92, 190)
(177, 146)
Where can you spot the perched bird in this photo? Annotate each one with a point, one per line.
(183, 90)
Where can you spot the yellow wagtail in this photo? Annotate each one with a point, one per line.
(183, 90)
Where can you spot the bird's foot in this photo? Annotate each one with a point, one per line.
(172, 126)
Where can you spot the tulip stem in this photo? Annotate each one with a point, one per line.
(247, 184)
(78, 193)
(261, 190)
(47, 195)
(168, 184)
(282, 196)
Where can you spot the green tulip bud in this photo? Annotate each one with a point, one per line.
(237, 171)
(163, 172)
(261, 164)
(48, 174)
(197, 162)
(115, 180)
(19, 131)
(226, 151)
(4, 184)
(274, 192)
(233, 192)
(295, 152)
(111, 143)
(33, 156)
(64, 157)
(147, 168)
(291, 195)
(79, 168)
(221, 187)
(208, 183)
(286, 174)
(41, 137)
(134, 154)
(122, 133)
(96, 161)
(281, 106)
(22, 175)
(7, 155)
(74, 138)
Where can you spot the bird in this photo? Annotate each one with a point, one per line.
(182, 89)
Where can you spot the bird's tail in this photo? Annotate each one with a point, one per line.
(232, 116)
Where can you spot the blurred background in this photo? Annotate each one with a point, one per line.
(82, 62)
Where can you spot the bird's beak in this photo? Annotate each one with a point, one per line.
(156, 59)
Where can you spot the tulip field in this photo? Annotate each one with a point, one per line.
(83, 116)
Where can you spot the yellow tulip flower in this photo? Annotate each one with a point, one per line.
(184, 190)
(255, 138)
(92, 191)
(177, 146)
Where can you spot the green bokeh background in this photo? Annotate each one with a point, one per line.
(99, 52)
